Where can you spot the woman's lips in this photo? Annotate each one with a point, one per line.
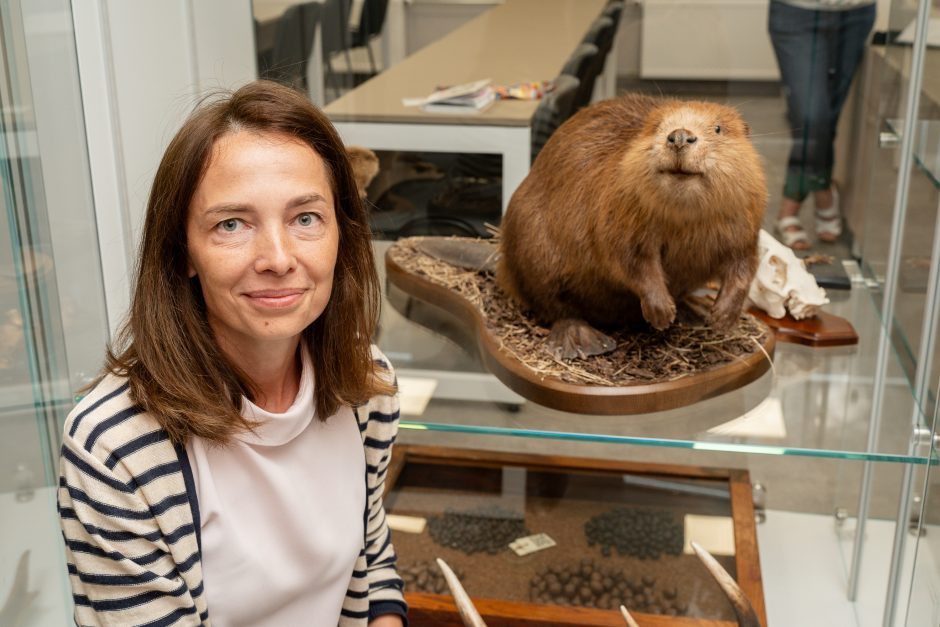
(275, 299)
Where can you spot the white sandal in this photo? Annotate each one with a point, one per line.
(829, 221)
(789, 235)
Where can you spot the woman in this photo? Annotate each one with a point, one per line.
(215, 472)
(819, 45)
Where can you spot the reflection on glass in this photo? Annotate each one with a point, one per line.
(52, 316)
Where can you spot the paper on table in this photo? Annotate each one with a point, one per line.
(449, 93)
(933, 33)
(414, 393)
(764, 421)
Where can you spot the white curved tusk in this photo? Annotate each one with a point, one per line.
(739, 603)
(628, 618)
(468, 613)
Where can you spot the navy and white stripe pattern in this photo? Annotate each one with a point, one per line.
(130, 520)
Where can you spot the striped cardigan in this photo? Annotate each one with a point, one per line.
(130, 518)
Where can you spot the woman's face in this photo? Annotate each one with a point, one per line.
(262, 237)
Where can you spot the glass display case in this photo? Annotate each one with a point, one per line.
(839, 443)
(832, 436)
(53, 326)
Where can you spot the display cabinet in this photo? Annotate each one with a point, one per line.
(839, 442)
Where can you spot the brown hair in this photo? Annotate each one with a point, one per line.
(166, 349)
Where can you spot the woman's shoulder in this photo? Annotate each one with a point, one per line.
(381, 408)
(385, 368)
(107, 419)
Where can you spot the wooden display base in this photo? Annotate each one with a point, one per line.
(823, 329)
(635, 397)
(558, 495)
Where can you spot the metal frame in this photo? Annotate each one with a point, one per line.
(884, 344)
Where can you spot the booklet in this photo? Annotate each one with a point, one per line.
(466, 98)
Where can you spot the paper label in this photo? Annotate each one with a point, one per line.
(531, 544)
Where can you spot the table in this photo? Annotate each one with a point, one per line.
(519, 40)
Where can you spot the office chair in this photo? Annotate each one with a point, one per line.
(580, 65)
(293, 40)
(334, 35)
(554, 108)
(371, 21)
(601, 35)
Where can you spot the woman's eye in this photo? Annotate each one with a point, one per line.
(229, 226)
(305, 219)
(717, 129)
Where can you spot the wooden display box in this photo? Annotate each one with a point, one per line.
(559, 496)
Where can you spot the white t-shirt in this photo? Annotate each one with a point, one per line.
(282, 515)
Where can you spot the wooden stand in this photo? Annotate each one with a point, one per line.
(472, 473)
(823, 329)
(635, 398)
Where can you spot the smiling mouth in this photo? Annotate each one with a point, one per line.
(275, 299)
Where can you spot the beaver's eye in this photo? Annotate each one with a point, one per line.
(717, 129)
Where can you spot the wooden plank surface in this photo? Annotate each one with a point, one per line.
(520, 40)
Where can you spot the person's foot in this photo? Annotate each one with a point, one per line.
(789, 227)
(828, 215)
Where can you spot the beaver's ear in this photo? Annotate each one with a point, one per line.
(365, 165)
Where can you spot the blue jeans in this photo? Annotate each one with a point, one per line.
(818, 53)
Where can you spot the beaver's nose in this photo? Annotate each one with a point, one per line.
(680, 138)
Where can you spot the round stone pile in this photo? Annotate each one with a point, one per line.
(487, 529)
(425, 576)
(591, 585)
(640, 533)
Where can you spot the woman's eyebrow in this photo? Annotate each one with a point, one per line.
(305, 199)
(232, 207)
(235, 207)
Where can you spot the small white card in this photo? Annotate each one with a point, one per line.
(714, 533)
(406, 524)
(531, 544)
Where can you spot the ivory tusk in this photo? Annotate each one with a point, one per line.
(739, 603)
(628, 618)
(468, 613)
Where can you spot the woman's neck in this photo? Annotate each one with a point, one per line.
(274, 371)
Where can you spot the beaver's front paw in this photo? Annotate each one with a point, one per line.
(571, 337)
(659, 312)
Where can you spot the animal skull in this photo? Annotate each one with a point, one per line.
(782, 283)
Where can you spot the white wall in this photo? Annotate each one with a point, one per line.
(144, 64)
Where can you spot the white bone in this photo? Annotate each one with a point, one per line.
(782, 283)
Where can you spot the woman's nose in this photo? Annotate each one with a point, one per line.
(274, 252)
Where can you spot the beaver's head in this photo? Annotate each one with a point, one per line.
(698, 151)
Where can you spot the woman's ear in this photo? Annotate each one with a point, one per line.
(365, 165)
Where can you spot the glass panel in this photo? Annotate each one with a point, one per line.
(923, 585)
(52, 316)
(815, 402)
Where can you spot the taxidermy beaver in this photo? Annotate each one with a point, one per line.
(632, 204)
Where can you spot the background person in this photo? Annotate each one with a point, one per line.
(229, 464)
(819, 45)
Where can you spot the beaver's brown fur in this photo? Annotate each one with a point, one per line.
(632, 204)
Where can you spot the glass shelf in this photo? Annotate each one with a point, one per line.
(814, 402)
(926, 146)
